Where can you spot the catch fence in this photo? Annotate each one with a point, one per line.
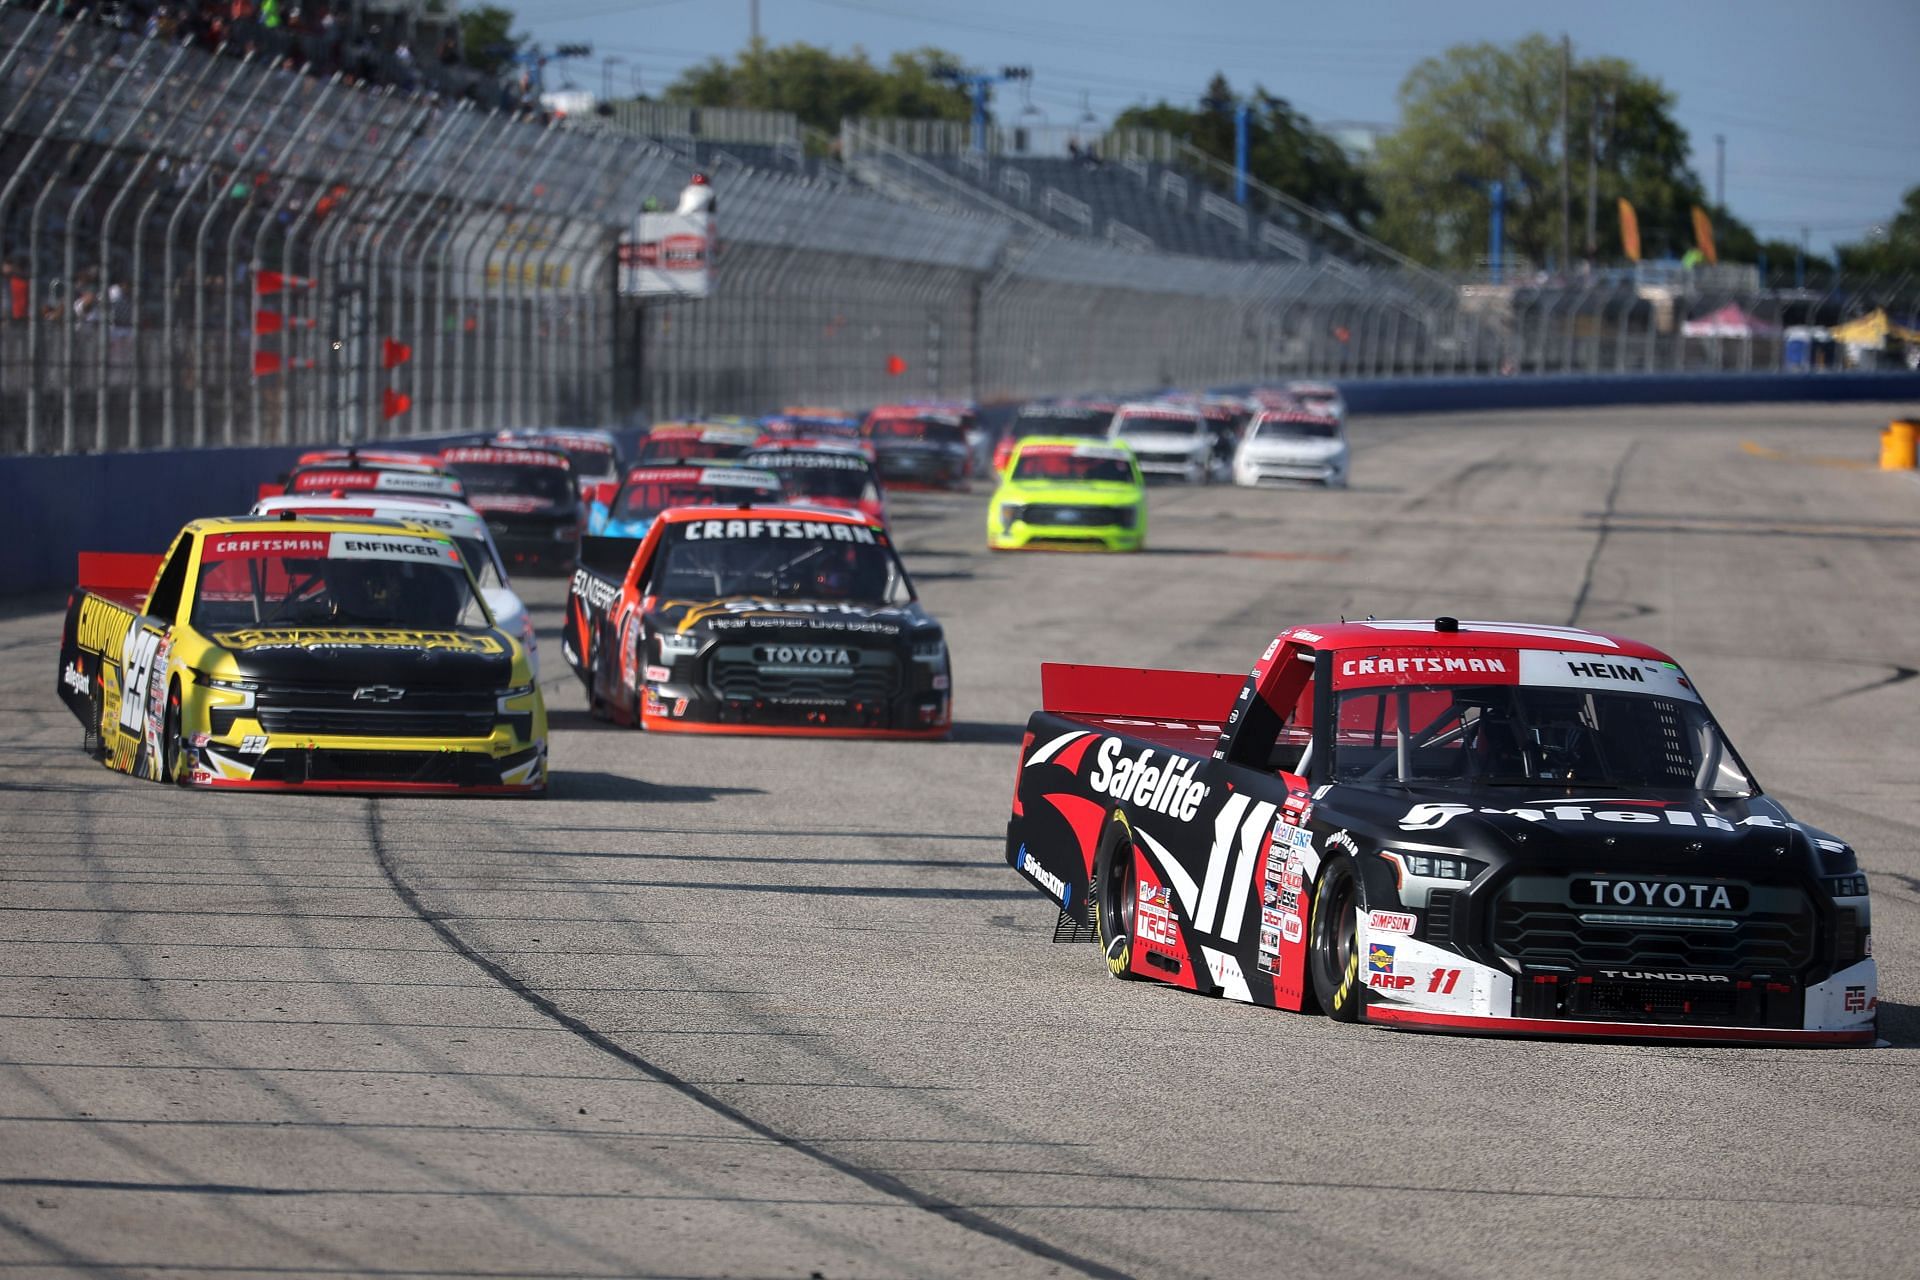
(209, 249)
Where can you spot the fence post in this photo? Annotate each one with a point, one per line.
(135, 275)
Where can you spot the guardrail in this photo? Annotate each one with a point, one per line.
(135, 501)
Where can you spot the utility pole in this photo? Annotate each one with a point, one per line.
(1593, 171)
(1566, 150)
(1720, 170)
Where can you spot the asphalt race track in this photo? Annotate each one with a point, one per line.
(776, 1008)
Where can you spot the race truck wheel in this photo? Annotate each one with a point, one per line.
(1110, 898)
(1333, 951)
(171, 748)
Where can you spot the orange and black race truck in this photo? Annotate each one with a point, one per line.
(757, 619)
(301, 653)
(1481, 827)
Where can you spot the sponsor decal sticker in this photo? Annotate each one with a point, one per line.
(1431, 817)
(1169, 788)
(1854, 1000)
(1052, 883)
(1426, 666)
(812, 530)
(1379, 958)
(75, 679)
(357, 638)
(1391, 922)
(659, 675)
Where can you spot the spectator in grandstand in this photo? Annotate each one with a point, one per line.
(697, 196)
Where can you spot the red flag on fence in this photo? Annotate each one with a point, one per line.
(394, 353)
(265, 362)
(268, 322)
(394, 403)
(274, 281)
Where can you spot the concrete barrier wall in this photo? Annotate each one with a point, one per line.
(57, 507)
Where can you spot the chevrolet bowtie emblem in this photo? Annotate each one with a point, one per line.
(379, 693)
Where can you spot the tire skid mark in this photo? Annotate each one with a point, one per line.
(885, 1183)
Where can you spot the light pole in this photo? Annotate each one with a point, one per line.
(1240, 113)
(976, 83)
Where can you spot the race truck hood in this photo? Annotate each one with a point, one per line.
(369, 655)
(1293, 450)
(514, 504)
(792, 619)
(1571, 830)
(1090, 494)
(1167, 442)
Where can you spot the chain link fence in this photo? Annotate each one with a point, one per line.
(215, 249)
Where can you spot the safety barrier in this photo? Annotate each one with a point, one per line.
(135, 501)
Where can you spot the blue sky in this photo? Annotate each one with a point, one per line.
(1817, 102)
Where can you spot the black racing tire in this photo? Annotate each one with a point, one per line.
(1110, 898)
(1333, 943)
(172, 748)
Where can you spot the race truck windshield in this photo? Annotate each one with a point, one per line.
(813, 476)
(779, 559)
(1072, 466)
(909, 430)
(1297, 429)
(645, 499)
(672, 449)
(548, 484)
(1159, 425)
(1471, 736)
(333, 580)
(1089, 423)
(591, 460)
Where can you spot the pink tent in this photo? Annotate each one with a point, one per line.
(1730, 321)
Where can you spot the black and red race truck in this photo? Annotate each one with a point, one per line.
(759, 620)
(1478, 827)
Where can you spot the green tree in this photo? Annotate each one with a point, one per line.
(1284, 150)
(822, 87)
(1480, 113)
(487, 39)
(1890, 250)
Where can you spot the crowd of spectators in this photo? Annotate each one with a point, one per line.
(374, 47)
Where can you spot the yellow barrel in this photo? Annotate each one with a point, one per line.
(1897, 444)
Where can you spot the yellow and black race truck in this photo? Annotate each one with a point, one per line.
(303, 654)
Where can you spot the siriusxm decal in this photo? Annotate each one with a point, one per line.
(1050, 882)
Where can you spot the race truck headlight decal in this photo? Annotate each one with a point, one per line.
(1853, 886)
(1009, 513)
(1435, 866)
(231, 686)
(930, 646)
(674, 645)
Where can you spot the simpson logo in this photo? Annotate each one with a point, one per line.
(1391, 922)
(1170, 788)
(1675, 894)
(813, 530)
(658, 675)
(1644, 975)
(1052, 883)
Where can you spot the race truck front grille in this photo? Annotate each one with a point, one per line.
(369, 711)
(1535, 923)
(796, 674)
(1084, 517)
